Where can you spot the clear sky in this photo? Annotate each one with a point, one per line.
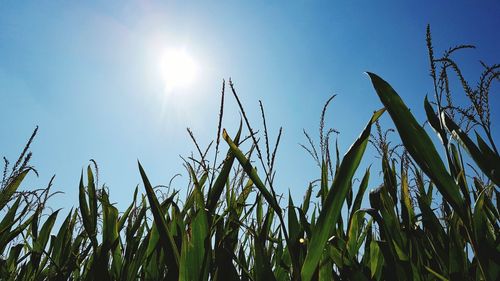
(89, 75)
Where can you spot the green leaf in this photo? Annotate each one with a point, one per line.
(86, 218)
(488, 153)
(307, 198)
(434, 121)
(194, 252)
(361, 192)
(9, 190)
(262, 268)
(7, 237)
(218, 186)
(109, 223)
(63, 239)
(458, 263)
(166, 238)
(324, 181)
(295, 232)
(10, 217)
(486, 244)
(353, 233)
(376, 259)
(293, 222)
(252, 173)
(15, 251)
(390, 181)
(92, 198)
(125, 215)
(43, 236)
(332, 206)
(459, 172)
(437, 275)
(486, 159)
(419, 145)
(408, 214)
(389, 224)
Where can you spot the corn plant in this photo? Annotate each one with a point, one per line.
(233, 225)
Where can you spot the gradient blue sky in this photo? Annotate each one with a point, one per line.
(87, 74)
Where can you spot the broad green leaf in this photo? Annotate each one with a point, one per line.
(218, 186)
(307, 198)
(109, 223)
(434, 231)
(419, 145)
(14, 253)
(293, 222)
(486, 150)
(389, 224)
(459, 173)
(63, 239)
(166, 239)
(9, 190)
(353, 233)
(6, 238)
(390, 181)
(408, 214)
(434, 121)
(92, 198)
(361, 192)
(487, 161)
(332, 206)
(9, 218)
(43, 236)
(457, 257)
(193, 260)
(123, 218)
(324, 181)
(295, 233)
(486, 245)
(262, 267)
(86, 217)
(252, 173)
(376, 259)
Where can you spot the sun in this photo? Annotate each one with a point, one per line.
(178, 68)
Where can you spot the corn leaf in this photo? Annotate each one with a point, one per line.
(419, 145)
(252, 173)
(166, 238)
(9, 190)
(333, 203)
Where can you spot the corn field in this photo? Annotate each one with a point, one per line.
(435, 215)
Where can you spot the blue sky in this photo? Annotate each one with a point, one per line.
(87, 74)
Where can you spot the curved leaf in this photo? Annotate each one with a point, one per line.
(333, 203)
(166, 238)
(419, 145)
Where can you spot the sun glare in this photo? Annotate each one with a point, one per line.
(178, 69)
